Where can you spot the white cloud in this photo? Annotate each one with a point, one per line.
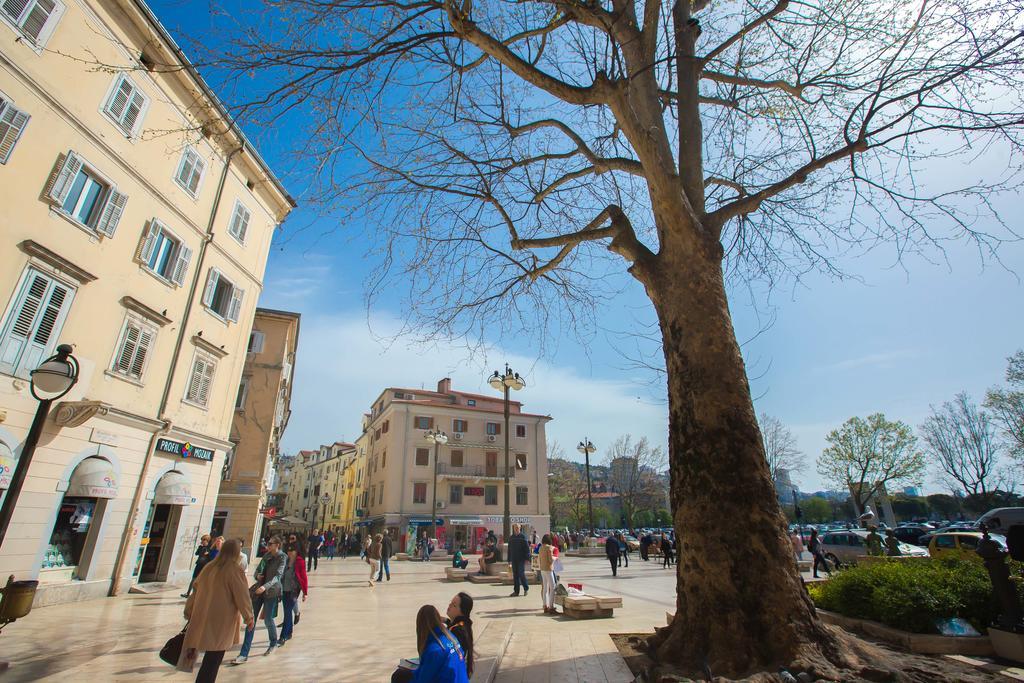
(884, 359)
(342, 366)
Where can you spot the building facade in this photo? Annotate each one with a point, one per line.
(137, 223)
(262, 409)
(399, 482)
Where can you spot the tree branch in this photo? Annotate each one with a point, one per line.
(794, 90)
(779, 8)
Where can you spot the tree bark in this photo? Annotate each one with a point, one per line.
(740, 606)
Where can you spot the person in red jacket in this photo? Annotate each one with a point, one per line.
(294, 581)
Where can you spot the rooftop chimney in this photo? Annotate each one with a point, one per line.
(445, 386)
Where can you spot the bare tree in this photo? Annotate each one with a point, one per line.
(567, 492)
(633, 467)
(962, 441)
(1008, 405)
(511, 158)
(780, 447)
(866, 455)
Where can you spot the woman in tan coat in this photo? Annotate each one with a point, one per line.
(546, 560)
(219, 603)
(373, 556)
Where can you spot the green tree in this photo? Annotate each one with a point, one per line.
(866, 455)
(1008, 405)
(816, 510)
(944, 505)
(909, 507)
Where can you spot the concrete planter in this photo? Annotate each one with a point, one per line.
(1007, 644)
(921, 643)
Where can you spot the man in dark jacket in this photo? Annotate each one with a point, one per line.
(611, 549)
(386, 551)
(518, 556)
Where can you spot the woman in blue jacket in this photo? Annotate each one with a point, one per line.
(441, 658)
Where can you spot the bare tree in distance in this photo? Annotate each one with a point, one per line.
(865, 456)
(567, 492)
(512, 160)
(963, 443)
(633, 467)
(780, 447)
(1008, 406)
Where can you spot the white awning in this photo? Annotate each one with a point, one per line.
(464, 521)
(173, 489)
(8, 461)
(93, 478)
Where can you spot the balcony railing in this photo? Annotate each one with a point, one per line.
(474, 472)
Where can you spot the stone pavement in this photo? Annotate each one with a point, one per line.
(348, 632)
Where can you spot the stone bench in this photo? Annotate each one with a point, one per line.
(588, 606)
(453, 574)
(483, 578)
(489, 647)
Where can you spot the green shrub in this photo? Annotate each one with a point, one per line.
(911, 594)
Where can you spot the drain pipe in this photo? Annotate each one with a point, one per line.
(133, 512)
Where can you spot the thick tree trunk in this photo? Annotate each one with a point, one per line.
(741, 606)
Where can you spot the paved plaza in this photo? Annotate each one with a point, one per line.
(348, 632)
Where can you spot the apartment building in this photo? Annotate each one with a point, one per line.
(137, 222)
(262, 410)
(399, 482)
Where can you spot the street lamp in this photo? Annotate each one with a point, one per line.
(438, 438)
(586, 448)
(509, 380)
(50, 381)
(324, 499)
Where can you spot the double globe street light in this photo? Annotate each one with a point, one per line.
(438, 438)
(503, 383)
(52, 380)
(586, 448)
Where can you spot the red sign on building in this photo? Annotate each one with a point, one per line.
(473, 491)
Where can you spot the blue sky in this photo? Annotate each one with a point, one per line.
(896, 339)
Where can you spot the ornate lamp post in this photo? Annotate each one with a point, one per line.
(52, 380)
(586, 448)
(503, 383)
(438, 438)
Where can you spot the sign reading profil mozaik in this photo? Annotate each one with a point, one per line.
(184, 450)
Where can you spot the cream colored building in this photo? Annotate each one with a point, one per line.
(137, 223)
(399, 481)
(262, 409)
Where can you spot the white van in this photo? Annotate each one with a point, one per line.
(999, 520)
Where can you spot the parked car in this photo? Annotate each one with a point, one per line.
(1001, 519)
(962, 544)
(910, 534)
(846, 547)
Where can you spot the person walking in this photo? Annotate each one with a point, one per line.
(266, 594)
(373, 556)
(623, 550)
(817, 552)
(518, 557)
(329, 546)
(313, 545)
(424, 547)
(798, 544)
(666, 551)
(202, 558)
(342, 541)
(294, 582)
(546, 562)
(216, 608)
(386, 551)
(892, 544)
(611, 550)
(643, 547)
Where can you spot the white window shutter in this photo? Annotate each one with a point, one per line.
(181, 265)
(236, 304)
(19, 327)
(148, 243)
(195, 380)
(14, 8)
(112, 210)
(119, 99)
(65, 176)
(51, 22)
(139, 361)
(129, 345)
(197, 174)
(12, 123)
(211, 284)
(47, 326)
(134, 112)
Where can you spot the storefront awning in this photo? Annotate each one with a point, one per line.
(173, 489)
(8, 461)
(289, 521)
(93, 478)
(464, 521)
(425, 521)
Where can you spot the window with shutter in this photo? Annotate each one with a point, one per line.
(36, 19)
(163, 253)
(136, 342)
(243, 392)
(239, 225)
(85, 196)
(127, 105)
(12, 123)
(200, 380)
(33, 323)
(190, 171)
(221, 297)
(422, 457)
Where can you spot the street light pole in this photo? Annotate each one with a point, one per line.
(510, 380)
(56, 375)
(586, 448)
(438, 438)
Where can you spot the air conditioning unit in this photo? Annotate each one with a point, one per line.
(441, 504)
(457, 436)
(492, 438)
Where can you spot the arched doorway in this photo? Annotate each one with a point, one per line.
(75, 531)
(160, 533)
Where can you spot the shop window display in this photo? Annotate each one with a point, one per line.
(69, 533)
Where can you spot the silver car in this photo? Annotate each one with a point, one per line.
(846, 547)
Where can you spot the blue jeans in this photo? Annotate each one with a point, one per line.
(289, 600)
(519, 577)
(385, 568)
(268, 606)
(426, 553)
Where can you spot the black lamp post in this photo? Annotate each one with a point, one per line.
(52, 380)
(510, 380)
(586, 448)
(438, 438)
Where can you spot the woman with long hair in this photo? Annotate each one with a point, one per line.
(546, 562)
(461, 625)
(373, 556)
(441, 657)
(218, 605)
